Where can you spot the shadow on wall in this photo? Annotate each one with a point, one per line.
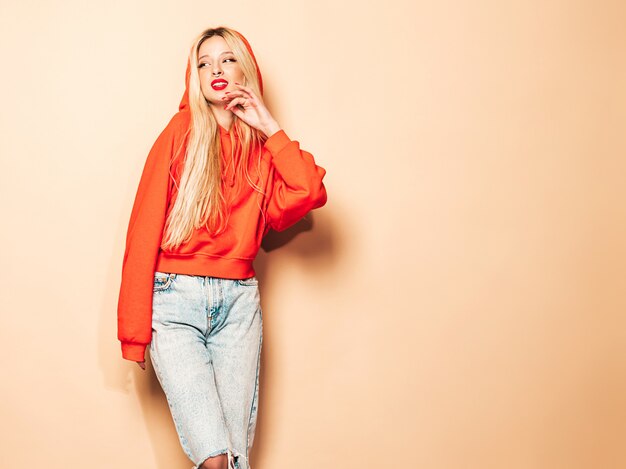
(320, 246)
(318, 254)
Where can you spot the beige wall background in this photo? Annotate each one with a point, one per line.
(458, 303)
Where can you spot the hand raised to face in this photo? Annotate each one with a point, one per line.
(250, 108)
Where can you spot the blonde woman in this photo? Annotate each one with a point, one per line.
(219, 176)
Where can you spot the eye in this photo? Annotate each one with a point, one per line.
(230, 59)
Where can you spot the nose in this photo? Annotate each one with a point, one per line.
(217, 72)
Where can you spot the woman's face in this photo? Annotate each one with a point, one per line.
(217, 64)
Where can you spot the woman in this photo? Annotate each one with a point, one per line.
(218, 177)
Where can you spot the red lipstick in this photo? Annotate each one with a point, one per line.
(219, 84)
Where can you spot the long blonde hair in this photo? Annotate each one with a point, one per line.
(200, 200)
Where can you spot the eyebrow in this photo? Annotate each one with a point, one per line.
(226, 52)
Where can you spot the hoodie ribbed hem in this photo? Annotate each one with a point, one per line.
(204, 265)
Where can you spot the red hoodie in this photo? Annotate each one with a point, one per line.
(293, 185)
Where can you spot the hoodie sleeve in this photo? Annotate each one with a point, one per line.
(297, 182)
(143, 239)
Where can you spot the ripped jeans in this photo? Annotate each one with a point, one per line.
(207, 334)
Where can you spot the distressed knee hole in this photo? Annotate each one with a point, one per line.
(217, 461)
(214, 462)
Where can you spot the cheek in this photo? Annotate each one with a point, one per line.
(206, 90)
(205, 85)
(238, 74)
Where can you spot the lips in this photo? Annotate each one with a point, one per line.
(219, 84)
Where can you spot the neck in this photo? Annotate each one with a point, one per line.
(224, 118)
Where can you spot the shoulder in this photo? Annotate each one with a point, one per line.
(180, 121)
(176, 131)
(170, 143)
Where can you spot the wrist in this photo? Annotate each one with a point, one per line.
(271, 128)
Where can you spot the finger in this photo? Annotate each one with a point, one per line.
(246, 89)
(234, 94)
(255, 101)
(235, 102)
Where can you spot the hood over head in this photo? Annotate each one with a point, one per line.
(184, 102)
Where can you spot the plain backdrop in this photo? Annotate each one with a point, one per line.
(458, 303)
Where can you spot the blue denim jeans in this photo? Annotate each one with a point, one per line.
(207, 334)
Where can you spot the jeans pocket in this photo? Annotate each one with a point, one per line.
(162, 281)
(248, 282)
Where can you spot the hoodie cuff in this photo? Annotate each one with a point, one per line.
(134, 352)
(277, 142)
